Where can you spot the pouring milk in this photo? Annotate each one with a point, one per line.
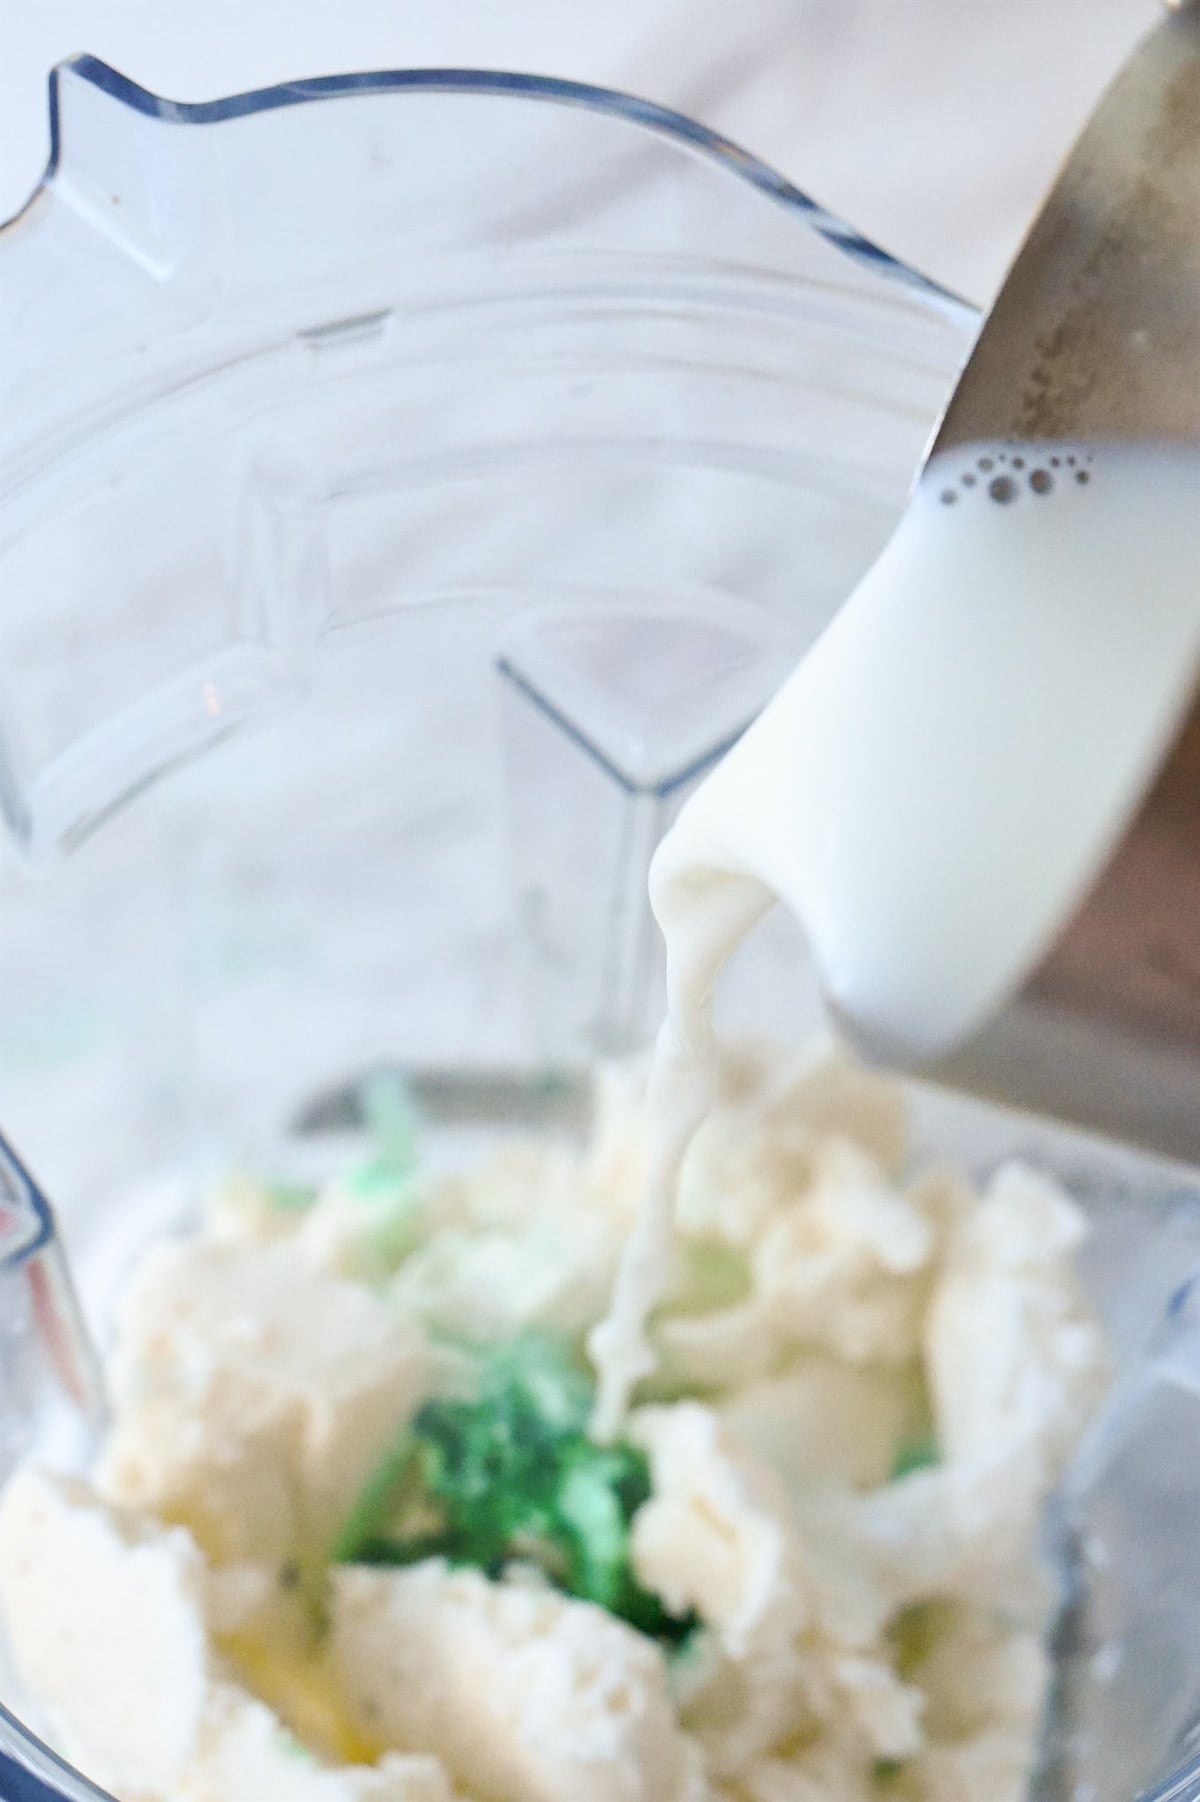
(932, 789)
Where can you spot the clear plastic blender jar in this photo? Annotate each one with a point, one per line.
(409, 485)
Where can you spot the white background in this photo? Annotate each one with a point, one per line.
(933, 124)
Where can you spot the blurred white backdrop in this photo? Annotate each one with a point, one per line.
(935, 125)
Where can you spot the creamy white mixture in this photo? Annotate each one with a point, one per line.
(865, 1629)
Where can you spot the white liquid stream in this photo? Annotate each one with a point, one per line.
(933, 788)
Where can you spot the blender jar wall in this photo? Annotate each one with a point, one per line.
(332, 412)
(408, 483)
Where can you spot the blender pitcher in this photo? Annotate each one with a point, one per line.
(410, 484)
